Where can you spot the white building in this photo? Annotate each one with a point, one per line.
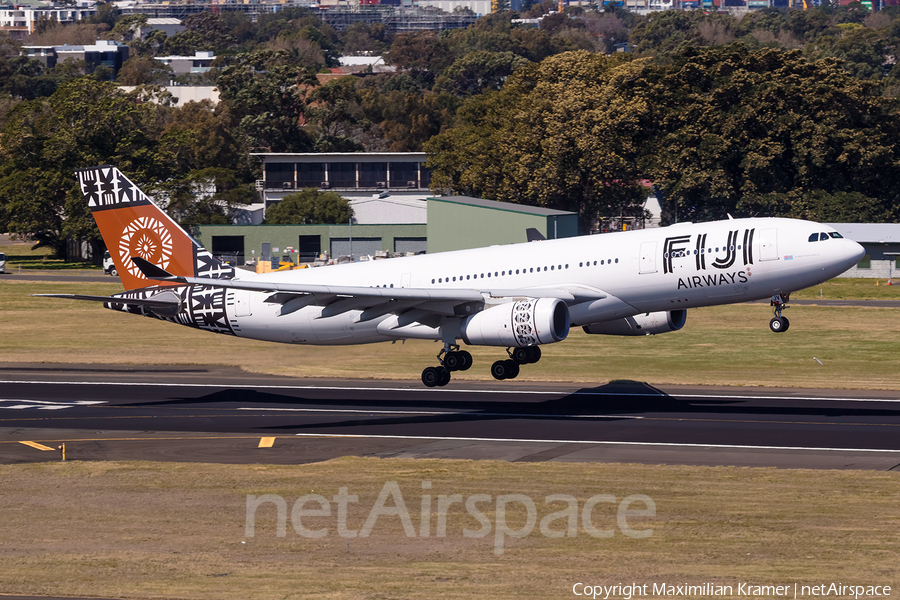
(19, 20)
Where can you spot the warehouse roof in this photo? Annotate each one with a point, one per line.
(507, 206)
(881, 233)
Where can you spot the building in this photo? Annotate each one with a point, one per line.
(168, 26)
(382, 187)
(459, 222)
(186, 93)
(19, 20)
(882, 244)
(393, 211)
(200, 62)
(102, 53)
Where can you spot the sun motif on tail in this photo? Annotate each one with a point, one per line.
(148, 238)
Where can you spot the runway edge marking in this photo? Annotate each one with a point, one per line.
(598, 442)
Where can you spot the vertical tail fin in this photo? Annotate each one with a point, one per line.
(131, 225)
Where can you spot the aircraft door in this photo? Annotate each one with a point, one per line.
(768, 244)
(240, 299)
(648, 257)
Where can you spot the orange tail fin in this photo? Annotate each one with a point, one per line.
(132, 225)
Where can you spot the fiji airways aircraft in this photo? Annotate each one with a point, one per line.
(516, 297)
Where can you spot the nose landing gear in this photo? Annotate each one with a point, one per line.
(779, 323)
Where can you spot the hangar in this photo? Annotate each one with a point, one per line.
(882, 244)
(394, 212)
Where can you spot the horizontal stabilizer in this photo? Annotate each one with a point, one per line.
(151, 271)
(148, 302)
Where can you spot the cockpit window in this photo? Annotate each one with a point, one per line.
(814, 237)
(836, 235)
(823, 236)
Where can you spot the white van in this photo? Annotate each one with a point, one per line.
(108, 266)
(2, 263)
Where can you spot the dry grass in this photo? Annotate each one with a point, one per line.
(728, 345)
(148, 530)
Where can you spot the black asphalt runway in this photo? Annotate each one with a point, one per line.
(227, 416)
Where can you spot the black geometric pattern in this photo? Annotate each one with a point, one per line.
(206, 265)
(203, 307)
(106, 187)
(208, 309)
(523, 323)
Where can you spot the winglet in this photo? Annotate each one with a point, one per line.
(151, 271)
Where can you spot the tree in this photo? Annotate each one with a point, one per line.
(478, 71)
(85, 122)
(766, 132)
(562, 134)
(141, 70)
(264, 94)
(310, 206)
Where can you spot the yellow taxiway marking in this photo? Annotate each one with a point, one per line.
(266, 442)
(36, 445)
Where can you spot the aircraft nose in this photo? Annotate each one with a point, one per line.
(855, 251)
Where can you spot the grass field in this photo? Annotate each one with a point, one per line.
(728, 345)
(20, 255)
(152, 530)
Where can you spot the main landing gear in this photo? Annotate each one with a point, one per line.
(454, 359)
(509, 369)
(780, 324)
(451, 359)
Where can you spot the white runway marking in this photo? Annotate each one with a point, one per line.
(46, 404)
(457, 390)
(434, 412)
(596, 442)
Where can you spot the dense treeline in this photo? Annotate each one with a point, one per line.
(776, 113)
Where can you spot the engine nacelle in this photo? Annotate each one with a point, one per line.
(521, 323)
(643, 324)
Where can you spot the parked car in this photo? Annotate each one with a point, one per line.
(108, 266)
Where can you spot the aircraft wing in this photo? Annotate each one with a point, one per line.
(340, 299)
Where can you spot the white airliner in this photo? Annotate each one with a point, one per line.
(516, 297)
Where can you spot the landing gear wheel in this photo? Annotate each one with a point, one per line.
(498, 370)
(444, 378)
(535, 354)
(521, 355)
(465, 359)
(512, 369)
(778, 324)
(431, 376)
(453, 361)
(787, 324)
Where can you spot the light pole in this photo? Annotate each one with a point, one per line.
(893, 256)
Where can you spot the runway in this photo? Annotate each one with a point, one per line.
(227, 416)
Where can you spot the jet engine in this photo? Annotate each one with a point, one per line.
(526, 322)
(643, 324)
